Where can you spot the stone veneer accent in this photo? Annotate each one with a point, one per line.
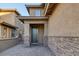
(26, 41)
(45, 41)
(64, 45)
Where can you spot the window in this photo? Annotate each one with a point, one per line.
(8, 32)
(4, 32)
(13, 33)
(37, 12)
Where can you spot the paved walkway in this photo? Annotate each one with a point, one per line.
(20, 50)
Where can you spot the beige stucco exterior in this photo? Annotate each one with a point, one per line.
(10, 18)
(60, 32)
(63, 29)
(64, 21)
(10, 28)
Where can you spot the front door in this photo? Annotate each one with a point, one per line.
(37, 34)
(34, 35)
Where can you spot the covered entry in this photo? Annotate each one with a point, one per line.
(35, 30)
(37, 34)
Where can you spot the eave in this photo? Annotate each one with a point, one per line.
(50, 8)
(8, 25)
(34, 6)
(10, 10)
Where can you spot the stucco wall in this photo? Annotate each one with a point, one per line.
(9, 18)
(63, 30)
(7, 43)
(64, 21)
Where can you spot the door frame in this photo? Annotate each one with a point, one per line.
(31, 26)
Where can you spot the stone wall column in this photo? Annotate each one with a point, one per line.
(45, 40)
(26, 35)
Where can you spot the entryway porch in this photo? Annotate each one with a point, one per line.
(20, 50)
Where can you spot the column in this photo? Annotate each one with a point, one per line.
(26, 35)
(45, 41)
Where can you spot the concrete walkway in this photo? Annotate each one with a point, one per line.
(20, 50)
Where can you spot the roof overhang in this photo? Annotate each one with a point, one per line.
(23, 18)
(9, 10)
(8, 25)
(34, 6)
(50, 8)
